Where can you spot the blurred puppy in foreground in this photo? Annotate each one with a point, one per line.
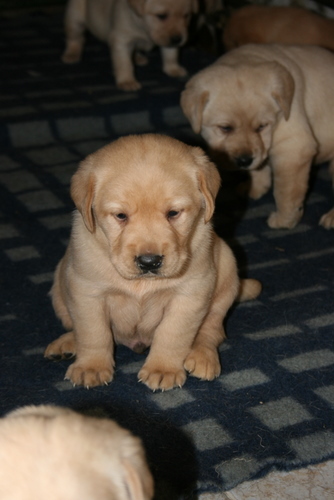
(130, 27)
(288, 25)
(53, 453)
(144, 267)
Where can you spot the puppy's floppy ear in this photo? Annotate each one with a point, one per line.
(208, 180)
(283, 88)
(137, 6)
(139, 483)
(135, 472)
(82, 192)
(193, 104)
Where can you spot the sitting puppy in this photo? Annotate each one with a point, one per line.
(128, 26)
(53, 453)
(290, 25)
(143, 266)
(270, 108)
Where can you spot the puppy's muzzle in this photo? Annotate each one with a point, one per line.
(243, 161)
(149, 263)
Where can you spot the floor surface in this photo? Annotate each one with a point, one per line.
(312, 483)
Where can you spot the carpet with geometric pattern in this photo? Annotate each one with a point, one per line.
(272, 406)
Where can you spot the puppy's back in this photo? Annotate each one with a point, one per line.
(288, 25)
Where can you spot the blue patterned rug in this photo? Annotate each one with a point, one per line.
(272, 407)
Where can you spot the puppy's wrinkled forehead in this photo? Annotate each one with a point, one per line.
(239, 95)
(145, 165)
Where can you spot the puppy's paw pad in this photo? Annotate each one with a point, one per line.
(61, 348)
(327, 220)
(129, 85)
(162, 380)
(89, 376)
(203, 365)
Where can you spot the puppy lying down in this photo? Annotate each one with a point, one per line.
(129, 26)
(270, 108)
(143, 266)
(53, 453)
(278, 24)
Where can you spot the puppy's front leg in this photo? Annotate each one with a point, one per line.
(74, 30)
(171, 344)
(203, 360)
(94, 364)
(290, 187)
(170, 63)
(121, 55)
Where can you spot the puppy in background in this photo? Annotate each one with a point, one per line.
(288, 25)
(129, 27)
(48, 452)
(143, 267)
(270, 108)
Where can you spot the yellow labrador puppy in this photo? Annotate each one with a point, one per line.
(48, 452)
(143, 266)
(271, 109)
(128, 26)
(278, 24)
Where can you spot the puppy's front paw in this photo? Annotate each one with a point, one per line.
(164, 379)
(327, 220)
(129, 85)
(203, 363)
(175, 71)
(89, 374)
(278, 221)
(62, 348)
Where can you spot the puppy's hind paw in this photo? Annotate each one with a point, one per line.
(129, 85)
(175, 71)
(327, 220)
(62, 348)
(140, 59)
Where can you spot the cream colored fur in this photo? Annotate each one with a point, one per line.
(270, 108)
(48, 452)
(129, 26)
(143, 267)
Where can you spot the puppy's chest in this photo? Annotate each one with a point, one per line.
(133, 320)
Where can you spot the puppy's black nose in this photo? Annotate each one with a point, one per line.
(149, 262)
(243, 161)
(175, 40)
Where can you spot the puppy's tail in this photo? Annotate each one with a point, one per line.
(248, 289)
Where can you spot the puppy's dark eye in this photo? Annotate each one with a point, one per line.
(162, 17)
(227, 129)
(173, 214)
(260, 127)
(121, 217)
